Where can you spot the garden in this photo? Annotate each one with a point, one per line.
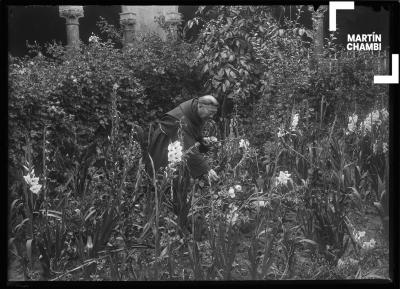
(300, 146)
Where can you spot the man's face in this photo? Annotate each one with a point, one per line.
(206, 111)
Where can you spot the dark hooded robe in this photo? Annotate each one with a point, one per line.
(167, 132)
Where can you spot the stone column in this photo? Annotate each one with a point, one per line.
(173, 19)
(318, 23)
(127, 19)
(72, 15)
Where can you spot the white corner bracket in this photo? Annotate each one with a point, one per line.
(337, 5)
(394, 78)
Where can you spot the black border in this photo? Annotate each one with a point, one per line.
(393, 153)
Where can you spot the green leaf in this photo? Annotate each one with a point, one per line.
(205, 68)
(20, 225)
(382, 196)
(11, 241)
(164, 253)
(52, 213)
(355, 193)
(92, 210)
(29, 250)
(309, 241)
(13, 204)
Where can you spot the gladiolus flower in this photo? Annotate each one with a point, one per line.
(174, 153)
(243, 143)
(232, 215)
(238, 188)
(33, 182)
(283, 178)
(358, 235)
(35, 189)
(231, 192)
(385, 147)
(93, 38)
(281, 132)
(369, 245)
(352, 125)
(295, 121)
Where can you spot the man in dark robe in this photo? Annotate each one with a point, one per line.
(186, 119)
(190, 116)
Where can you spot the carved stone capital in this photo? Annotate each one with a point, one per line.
(128, 20)
(71, 13)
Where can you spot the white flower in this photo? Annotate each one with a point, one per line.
(115, 86)
(295, 121)
(33, 182)
(358, 235)
(366, 126)
(369, 245)
(372, 242)
(174, 153)
(244, 143)
(260, 203)
(372, 119)
(27, 179)
(385, 147)
(35, 189)
(385, 114)
(231, 192)
(233, 214)
(238, 188)
(352, 125)
(340, 263)
(93, 38)
(282, 132)
(283, 178)
(234, 217)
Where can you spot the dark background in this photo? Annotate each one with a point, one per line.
(43, 24)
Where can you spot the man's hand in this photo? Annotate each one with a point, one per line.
(212, 176)
(210, 140)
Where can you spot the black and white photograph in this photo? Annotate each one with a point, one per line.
(200, 143)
